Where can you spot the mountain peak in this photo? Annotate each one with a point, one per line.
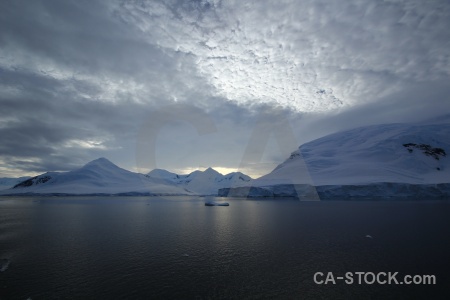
(210, 171)
(161, 173)
(100, 162)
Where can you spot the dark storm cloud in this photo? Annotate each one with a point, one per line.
(84, 42)
(71, 74)
(78, 79)
(52, 130)
(77, 35)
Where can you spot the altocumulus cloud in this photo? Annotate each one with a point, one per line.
(79, 78)
(308, 55)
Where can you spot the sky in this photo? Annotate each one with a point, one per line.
(186, 85)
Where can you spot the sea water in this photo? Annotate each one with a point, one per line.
(178, 248)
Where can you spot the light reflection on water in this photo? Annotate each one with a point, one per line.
(175, 247)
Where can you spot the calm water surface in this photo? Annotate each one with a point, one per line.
(177, 248)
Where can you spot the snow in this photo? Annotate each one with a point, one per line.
(302, 191)
(8, 182)
(101, 176)
(371, 161)
(172, 177)
(388, 161)
(163, 174)
(367, 155)
(97, 177)
(206, 182)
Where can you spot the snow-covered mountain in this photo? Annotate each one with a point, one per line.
(173, 177)
(99, 176)
(8, 182)
(407, 156)
(206, 182)
(390, 160)
(381, 153)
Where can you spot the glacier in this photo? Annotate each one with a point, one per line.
(407, 161)
(387, 161)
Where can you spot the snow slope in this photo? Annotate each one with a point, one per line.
(7, 182)
(389, 160)
(368, 155)
(103, 177)
(206, 182)
(99, 176)
(173, 177)
(381, 161)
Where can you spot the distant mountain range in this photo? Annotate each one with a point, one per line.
(101, 176)
(380, 161)
(207, 182)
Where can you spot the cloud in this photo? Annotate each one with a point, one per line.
(311, 55)
(78, 80)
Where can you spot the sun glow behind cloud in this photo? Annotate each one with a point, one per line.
(311, 56)
(77, 72)
(86, 144)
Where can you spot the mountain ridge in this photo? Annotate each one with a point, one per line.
(101, 176)
(206, 182)
(378, 160)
